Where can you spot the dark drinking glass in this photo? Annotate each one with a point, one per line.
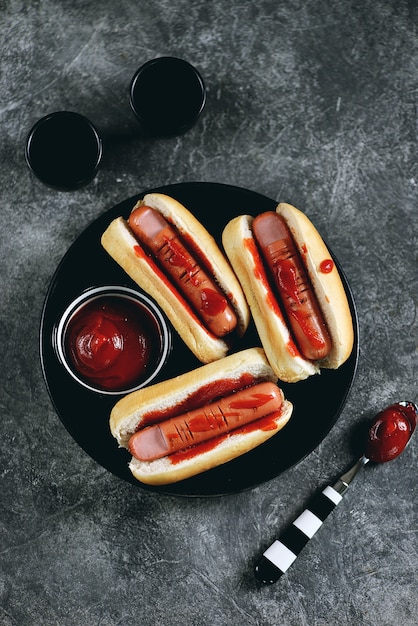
(167, 96)
(64, 150)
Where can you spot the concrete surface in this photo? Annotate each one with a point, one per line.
(314, 103)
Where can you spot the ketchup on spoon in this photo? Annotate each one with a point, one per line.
(390, 432)
(388, 436)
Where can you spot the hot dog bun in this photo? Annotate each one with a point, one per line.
(139, 408)
(328, 287)
(119, 241)
(281, 350)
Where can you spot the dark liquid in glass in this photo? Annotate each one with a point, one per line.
(167, 96)
(64, 150)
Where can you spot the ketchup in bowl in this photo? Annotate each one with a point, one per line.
(390, 432)
(113, 340)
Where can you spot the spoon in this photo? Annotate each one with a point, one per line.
(388, 435)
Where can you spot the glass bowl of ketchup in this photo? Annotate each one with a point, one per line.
(113, 340)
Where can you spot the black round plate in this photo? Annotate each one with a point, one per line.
(317, 401)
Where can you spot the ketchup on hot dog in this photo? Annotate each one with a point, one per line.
(202, 424)
(199, 289)
(112, 343)
(292, 284)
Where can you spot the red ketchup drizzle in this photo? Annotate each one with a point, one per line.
(265, 423)
(390, 431)
(207, 422)
(326, 266)
(212, 302)
(287, 276)
(112, 343)
(224, 415)
(260, 273)
(179, 259)
(204, 395)
(203, 260)
(289, 280)
(256, 400)
(291, 285)
(139, 252)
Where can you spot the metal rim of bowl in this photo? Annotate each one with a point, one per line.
(92, 294)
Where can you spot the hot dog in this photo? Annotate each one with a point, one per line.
(201, 424)
(290, 280)
(162, 241)
(172, 257)
(181, 427)
(294, 291)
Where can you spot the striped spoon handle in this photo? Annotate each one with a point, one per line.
(276, 560)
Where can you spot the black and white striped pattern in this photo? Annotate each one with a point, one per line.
(280, 555)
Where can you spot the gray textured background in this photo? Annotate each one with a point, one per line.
(310, 102)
